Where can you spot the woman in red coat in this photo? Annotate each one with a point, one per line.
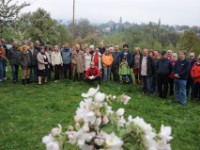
(195, 74)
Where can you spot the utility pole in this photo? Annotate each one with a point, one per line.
(73, 20)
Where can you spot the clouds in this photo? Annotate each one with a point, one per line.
(169, 11)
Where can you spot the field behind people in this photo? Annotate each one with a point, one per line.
(28, 112)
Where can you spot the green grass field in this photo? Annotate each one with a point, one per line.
(28, 112)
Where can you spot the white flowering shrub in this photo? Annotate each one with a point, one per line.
(94, 114)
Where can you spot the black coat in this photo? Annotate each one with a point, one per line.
(150, 66)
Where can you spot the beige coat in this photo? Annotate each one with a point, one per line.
(78, 61)
(40, 59)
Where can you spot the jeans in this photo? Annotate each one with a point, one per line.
(15, 69)
(180, 91)
(33, 73)
(67, 70)
(107, 72)
(147, 84)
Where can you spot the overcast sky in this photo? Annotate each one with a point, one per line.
(173, 12)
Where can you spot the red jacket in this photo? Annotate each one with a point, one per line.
(93, 72)
(195, 72)
(171, 76)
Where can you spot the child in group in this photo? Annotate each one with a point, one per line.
(25, 62)
(125, 71)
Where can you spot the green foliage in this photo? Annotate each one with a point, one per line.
(9, 11)
(40, 26)
(189, 41)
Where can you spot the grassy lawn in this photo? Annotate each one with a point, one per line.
(27, 113)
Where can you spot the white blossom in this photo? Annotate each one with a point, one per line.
(99, 97)
(120, 112)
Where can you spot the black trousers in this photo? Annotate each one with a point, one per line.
(115, 72)
(197, 90)
(57, 72)
(190, 88)
(171, 86)
(67, 70)
(162, 81)
(91, 81)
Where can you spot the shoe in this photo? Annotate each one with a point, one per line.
(23, 81)
(28, 81)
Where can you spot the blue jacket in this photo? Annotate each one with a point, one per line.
(182, 68)
(115, 58)
(129, 58)
(66, 55)
(164, 67)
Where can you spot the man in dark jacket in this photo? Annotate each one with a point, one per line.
(163, 70)
(129, 58)
(147, 70)
(190, 82)
(13, 56)
(34, 65)
(181, 72)
(115, 65)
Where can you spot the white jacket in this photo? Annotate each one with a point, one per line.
(56, 58)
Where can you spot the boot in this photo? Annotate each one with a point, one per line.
(27, 80)
(136, 81)
(39, 80)
(23, 81)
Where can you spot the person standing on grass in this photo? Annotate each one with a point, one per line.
(37, 45)
(195, 75)
(136, 65)
(78, 61)
(25, 62)
(48, 50)
(171, 76)
(163, 70)
(156, 58)
(181, 72)
(2, 57)
(97, 58)
(93, 74)
(13, 56)
(129, 58)
(43, 60)
(107, 60)
(125, 71)
(57, 62)
(87, 60)
(147, 70)
(66, 53)
(3, 43)
(115, 65)
(190, 82)
(34, 67)
(169, 54)
(91, 49)
(102, 48)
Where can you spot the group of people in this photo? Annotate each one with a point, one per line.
(160, 72)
